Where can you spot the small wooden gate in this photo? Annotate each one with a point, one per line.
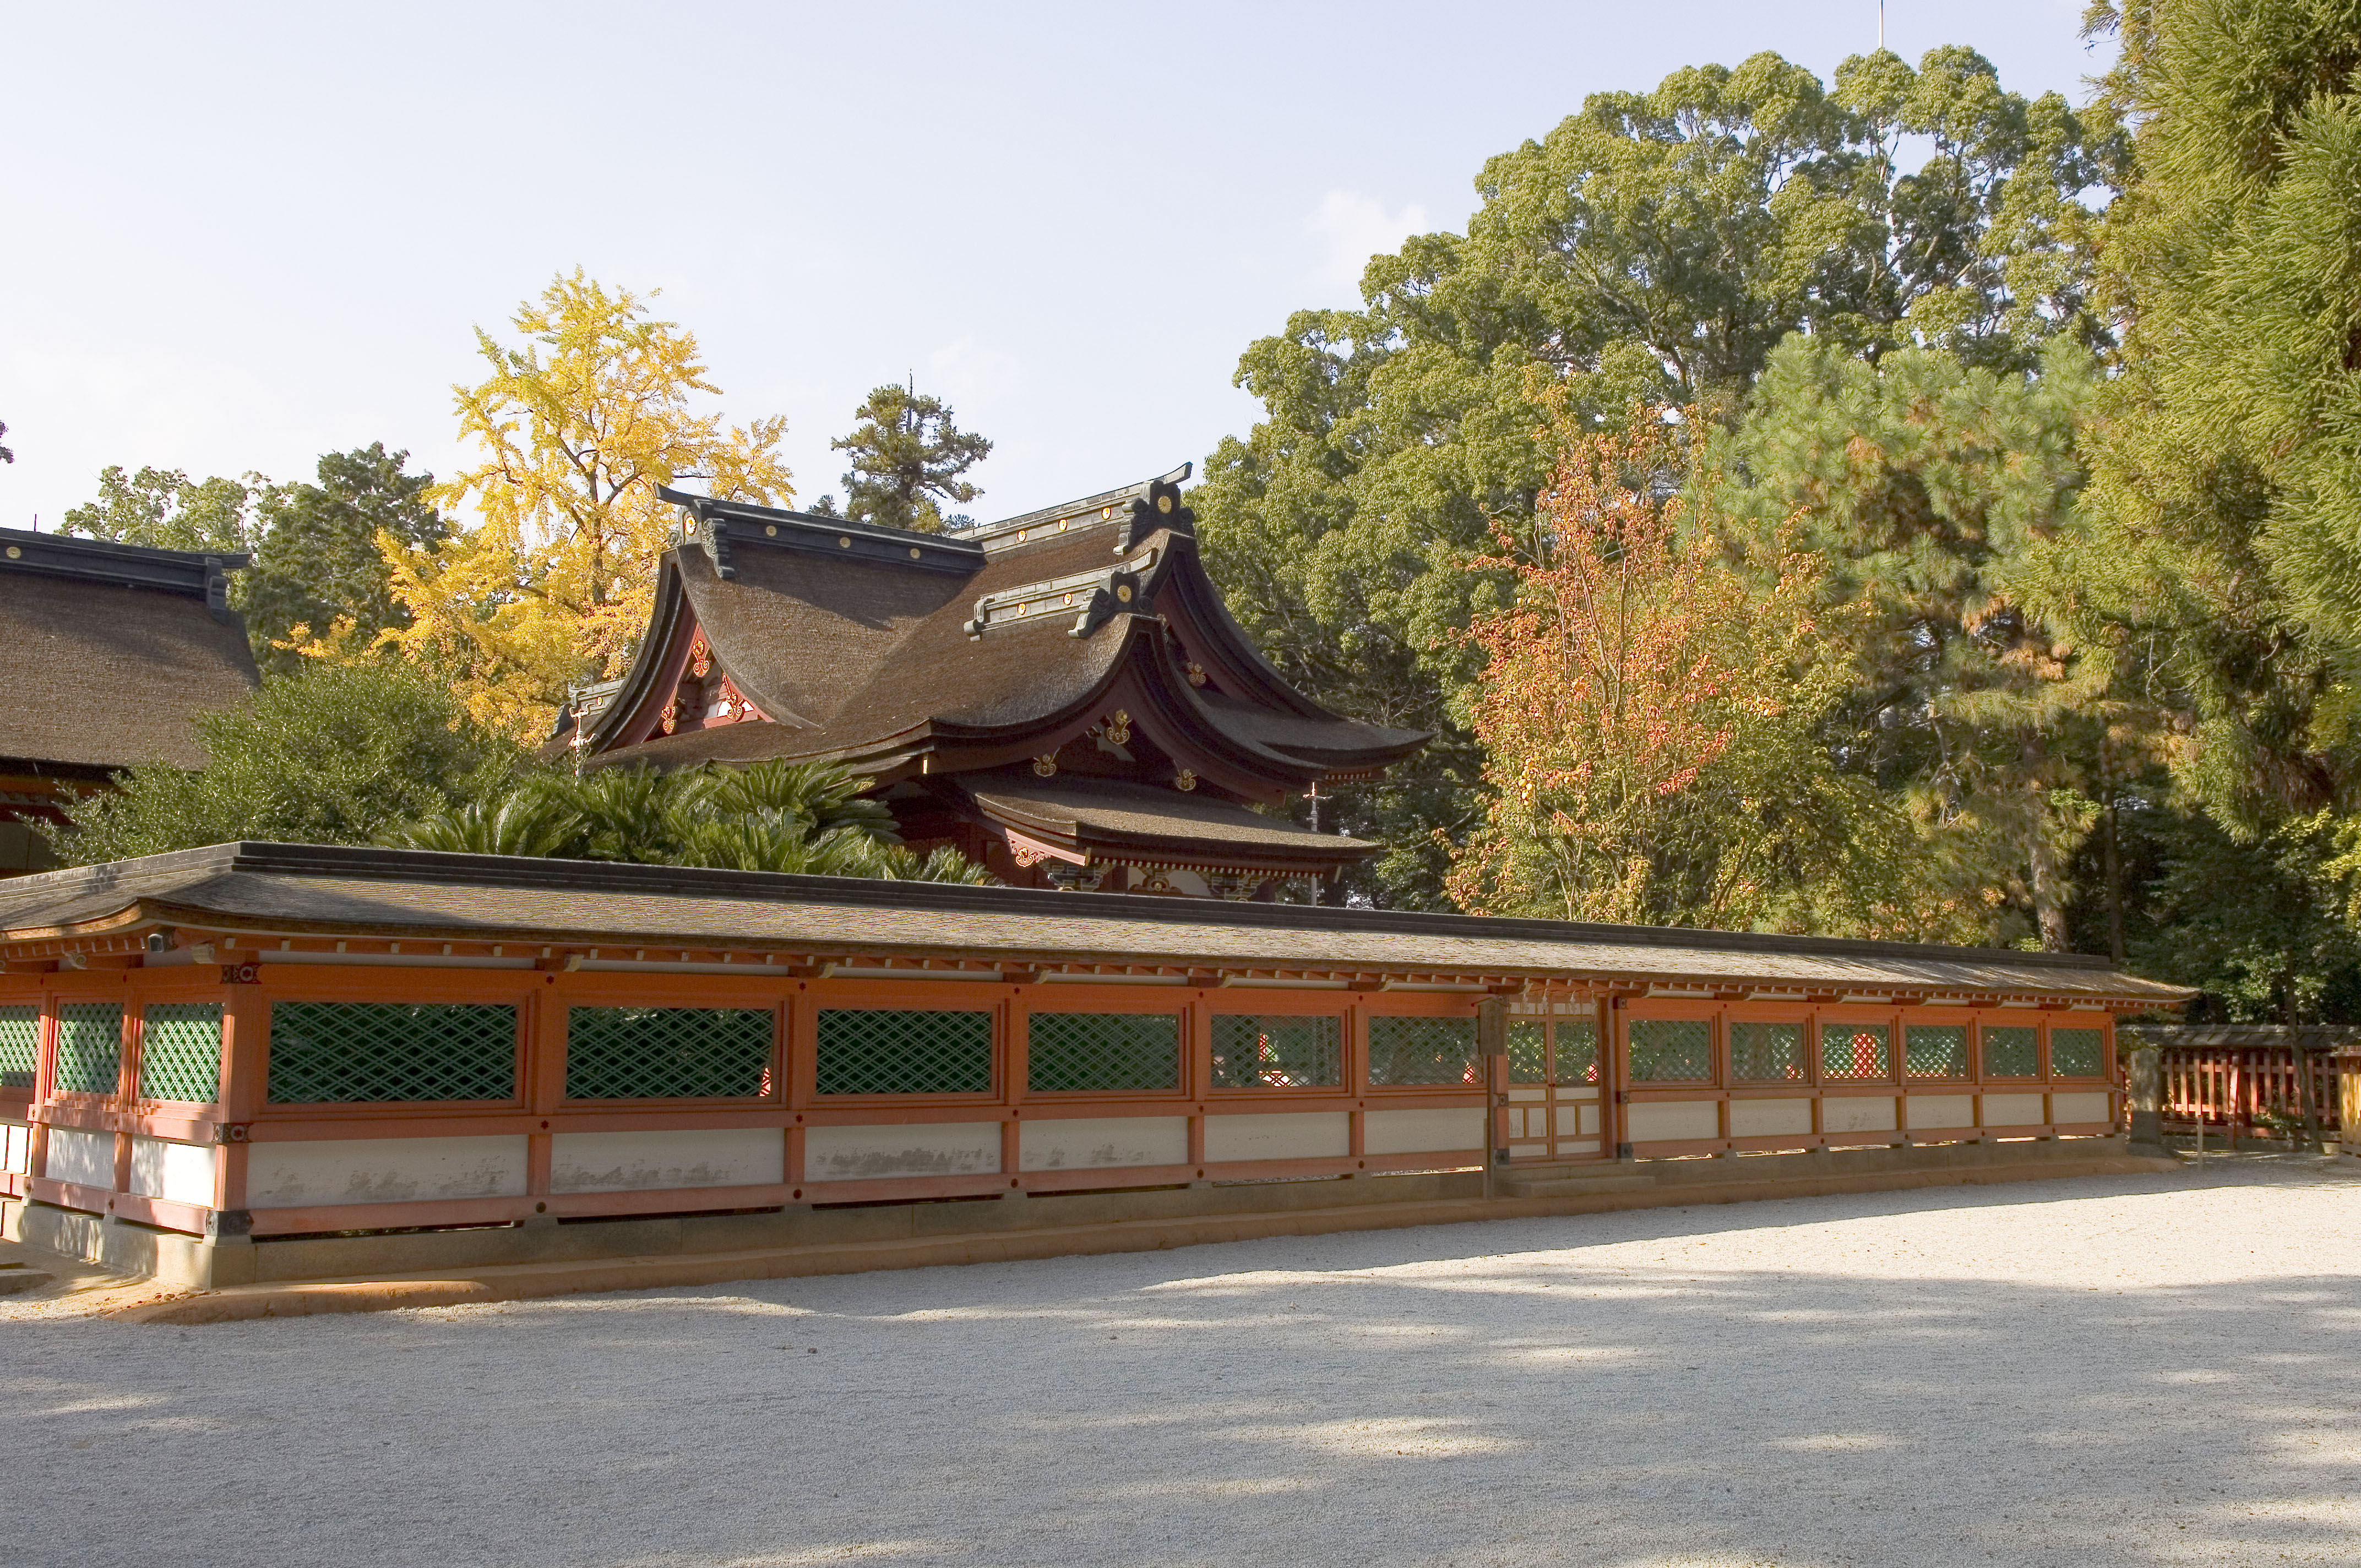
(1556, 1112)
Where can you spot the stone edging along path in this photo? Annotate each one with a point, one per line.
(526, 1281)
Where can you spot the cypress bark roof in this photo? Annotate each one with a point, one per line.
(282, 891)
(866, 643)
(107, 651)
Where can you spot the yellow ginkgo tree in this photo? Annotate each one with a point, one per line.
(577, 428)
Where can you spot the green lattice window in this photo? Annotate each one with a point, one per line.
(877, 1050)
(1528, 1051)
(21, 1046)
(90, 1046)
(2012, 1052)
(180, 1051)
(1856, 1051)
(2077, 1053)
(1102, 1051)
(1422, 1050)
(1254, 1051)
(1577, 1050)
(667, 1053)
(1935, 1050)
(328, 1053)
(1766, 1053)
(1672, 1051)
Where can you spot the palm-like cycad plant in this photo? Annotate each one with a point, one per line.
(806, 817)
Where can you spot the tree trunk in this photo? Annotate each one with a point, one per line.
(2115, 886)
(2048, 891)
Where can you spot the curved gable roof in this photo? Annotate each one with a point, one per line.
(849, 638)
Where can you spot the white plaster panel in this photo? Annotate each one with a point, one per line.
(1300, 1135)
(642, 1162)
(2012, 1111)
(181, 1173)
(918, 1148)
(1769, 1118)
(1422, 1132)
(1941, 1110)
(1662, 1121)
(383, 1170)
(86, 1159)
(1854, 1114)
(1088, 1142)
(16, 1148)
(1588, 1146)
(2065, 1109)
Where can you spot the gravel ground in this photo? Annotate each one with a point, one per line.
(2120, 1370)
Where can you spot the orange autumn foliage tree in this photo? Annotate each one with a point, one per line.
(1647, 710)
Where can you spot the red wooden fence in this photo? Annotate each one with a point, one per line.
(2249, 1092)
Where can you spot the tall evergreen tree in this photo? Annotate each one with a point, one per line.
(2226, 456)
(1924, 484)
(318, 566)
(908, 457)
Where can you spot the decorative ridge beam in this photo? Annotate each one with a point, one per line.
(188, 573)
(720, 526)
(1095, 598)
(1157, 497)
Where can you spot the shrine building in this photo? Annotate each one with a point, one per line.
(107, 652)
(1061, 696)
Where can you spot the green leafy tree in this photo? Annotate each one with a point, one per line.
(318, 572)
(330, 753)
(165, 509)
(806, 817)
(1652, 248)
(907, 457)
(2257, 925)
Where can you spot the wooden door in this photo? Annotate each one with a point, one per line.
(1556, 1109)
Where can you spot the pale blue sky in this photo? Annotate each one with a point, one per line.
(238, 235)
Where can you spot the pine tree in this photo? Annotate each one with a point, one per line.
(1927, 485)
(908, 457)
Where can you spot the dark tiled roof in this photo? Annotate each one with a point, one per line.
(107, 651)
(297, 889)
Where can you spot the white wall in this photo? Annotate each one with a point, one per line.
(182, 1173)
(918, 1148)
(86, 1159)
(383, 1170)
(640, 1162)
(1091, 1142)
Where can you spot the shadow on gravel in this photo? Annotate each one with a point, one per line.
(1458, 1394)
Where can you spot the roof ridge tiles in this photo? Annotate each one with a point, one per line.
(592, 876)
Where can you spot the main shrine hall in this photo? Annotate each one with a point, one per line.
(1063, 697)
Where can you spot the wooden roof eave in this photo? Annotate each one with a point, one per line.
(661, 653)
(1214, 635)
(189, 921)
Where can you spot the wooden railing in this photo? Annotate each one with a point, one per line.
(2250, 1091)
